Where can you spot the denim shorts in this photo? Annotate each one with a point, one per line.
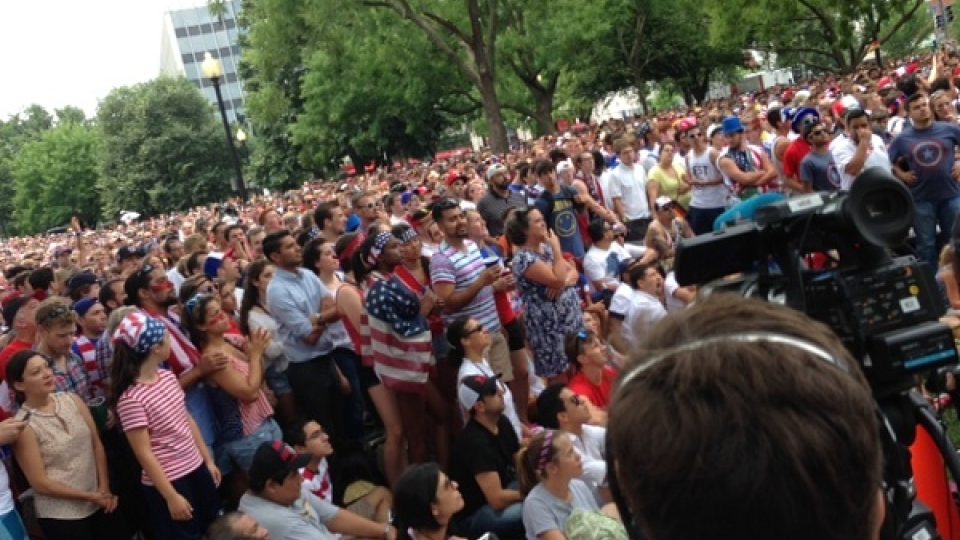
(278, 382)
(240, 452)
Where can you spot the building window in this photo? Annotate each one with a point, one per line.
(237, 103)
(193, 30)
(235, 50)
(224, 52)
(181, 32)
(231, 77)
(231, 24)
(205, 28)
(218, 26)
(187, 58)
(198, 56)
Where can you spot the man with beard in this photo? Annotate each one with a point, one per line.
(924, 158)
(499, 198)
(151, 291)
(465, 286)
(296, 299)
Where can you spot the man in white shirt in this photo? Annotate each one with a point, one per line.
(601, 263)
(561, 408)
(858, 150)
(628, 191)
(646, 308)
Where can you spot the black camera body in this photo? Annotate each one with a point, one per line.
(884, 308)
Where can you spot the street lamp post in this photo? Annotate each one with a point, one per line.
(212, 69)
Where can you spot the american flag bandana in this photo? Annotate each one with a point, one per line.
(140, 332)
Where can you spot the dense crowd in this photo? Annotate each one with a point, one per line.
(423, 351)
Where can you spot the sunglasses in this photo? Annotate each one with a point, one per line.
(478, 328)
(694, 135)
(53, 314)
(818, 132)
(369, 206)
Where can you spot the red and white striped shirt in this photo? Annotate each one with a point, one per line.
(255, 413)
(160, 407)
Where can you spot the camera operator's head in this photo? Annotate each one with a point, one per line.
(742, 419)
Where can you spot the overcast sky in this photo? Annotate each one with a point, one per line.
(73, 52)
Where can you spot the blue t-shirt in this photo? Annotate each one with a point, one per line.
(353, 222)
(559, 210)
(930, 154)
(821, 171)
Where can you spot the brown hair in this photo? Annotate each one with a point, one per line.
(532, 458)
(55, 311)
(729, 438)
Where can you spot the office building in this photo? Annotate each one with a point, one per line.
(188, 34)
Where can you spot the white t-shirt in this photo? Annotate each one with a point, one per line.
(469, 367)
(620, 302)
(843, 149)
(603, 264)
(592, 446)
(644, 313)
(176, 278)
(670, 286)
(630, 185)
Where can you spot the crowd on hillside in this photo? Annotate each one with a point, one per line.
(425, 351)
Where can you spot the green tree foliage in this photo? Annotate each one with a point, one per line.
(823, 35)
(163, 149)
(56, 177)
(374, 89)
(18, 130)
(272, 69)
(466, 33)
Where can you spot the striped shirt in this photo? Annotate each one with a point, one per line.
(255, 413)
(160, 407)
(86, 349)
(401, 345)
(462, 268)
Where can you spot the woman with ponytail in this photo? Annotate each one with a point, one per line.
(179, 475)
(548, 469)
(425, 501)
(469, 342)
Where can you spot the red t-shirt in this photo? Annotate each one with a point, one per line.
(7, 353)
(599, 395)
(795, 153)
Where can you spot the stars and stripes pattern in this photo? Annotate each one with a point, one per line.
(140, 332)
(400, 339)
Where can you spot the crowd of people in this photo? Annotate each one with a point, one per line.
(432, 350)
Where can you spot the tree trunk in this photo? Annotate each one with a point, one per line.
(494, 114)
(544, 112)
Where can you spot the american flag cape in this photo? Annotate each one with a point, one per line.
(401, 345)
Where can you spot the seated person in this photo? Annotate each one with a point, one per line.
(275, 500)
(236, 526)
(482, 462)
(549, 470)
(560, 408)
(361, 497)
(602, 261)
(594, 377)
(427, 500)
(709, 372)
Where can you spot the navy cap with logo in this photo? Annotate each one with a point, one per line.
(274, 461)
